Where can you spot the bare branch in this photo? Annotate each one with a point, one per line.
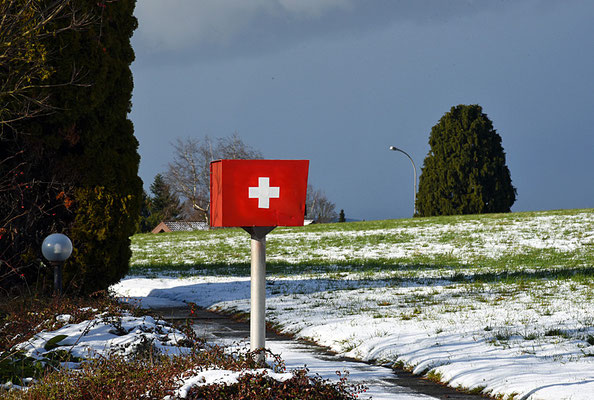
(189, 173)
(318, 207)
(24, 59)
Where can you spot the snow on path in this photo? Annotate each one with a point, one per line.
(498, 349)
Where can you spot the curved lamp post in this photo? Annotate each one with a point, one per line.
(394, 148)
(56, 248)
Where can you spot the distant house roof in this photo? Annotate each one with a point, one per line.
(180, 226)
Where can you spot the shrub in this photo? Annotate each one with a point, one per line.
(101, 235)
(107, 378)
(147, 375)
(260, 386)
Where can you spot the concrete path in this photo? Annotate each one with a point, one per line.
(383, 383)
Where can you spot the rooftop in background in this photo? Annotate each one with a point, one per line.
(180, 226)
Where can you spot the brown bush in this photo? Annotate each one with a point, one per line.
(149, 375)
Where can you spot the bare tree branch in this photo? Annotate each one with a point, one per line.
(189, 173)
(318, 207)
(24, 68)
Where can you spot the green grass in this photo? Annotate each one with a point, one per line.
(413, 270)
(475, 248)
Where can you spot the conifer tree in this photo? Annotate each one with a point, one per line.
(87, 144)
(164, 202)
(100, 144)
(163, 205)
(464, 171)
(147, 220)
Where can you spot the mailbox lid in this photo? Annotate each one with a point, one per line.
(258, 192)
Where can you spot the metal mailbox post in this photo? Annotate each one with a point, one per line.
(258, 195)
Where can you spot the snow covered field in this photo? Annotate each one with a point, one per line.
(502, 304)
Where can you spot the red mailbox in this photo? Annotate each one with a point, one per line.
(246, 193)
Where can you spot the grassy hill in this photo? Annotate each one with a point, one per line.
(518, 244)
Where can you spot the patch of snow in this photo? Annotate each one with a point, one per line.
(106, 335)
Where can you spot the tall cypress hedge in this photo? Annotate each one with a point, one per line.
(464, 171)
(88, 143)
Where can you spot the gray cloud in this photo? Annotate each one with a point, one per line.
(202, 30)
(175, 25)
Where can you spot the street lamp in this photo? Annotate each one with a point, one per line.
(394, 148)
(56, 248)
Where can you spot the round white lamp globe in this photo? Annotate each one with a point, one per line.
(56, 247)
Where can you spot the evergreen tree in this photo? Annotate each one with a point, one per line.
(147, 221)
(162, 206)
(104, 150)
(464, 171)
(164, 203)
(88, 145)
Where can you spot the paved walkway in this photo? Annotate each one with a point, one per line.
(383, 383)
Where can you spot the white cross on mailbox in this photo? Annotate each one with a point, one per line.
(263, 192)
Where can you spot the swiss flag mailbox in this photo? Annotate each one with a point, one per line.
(246, 193)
